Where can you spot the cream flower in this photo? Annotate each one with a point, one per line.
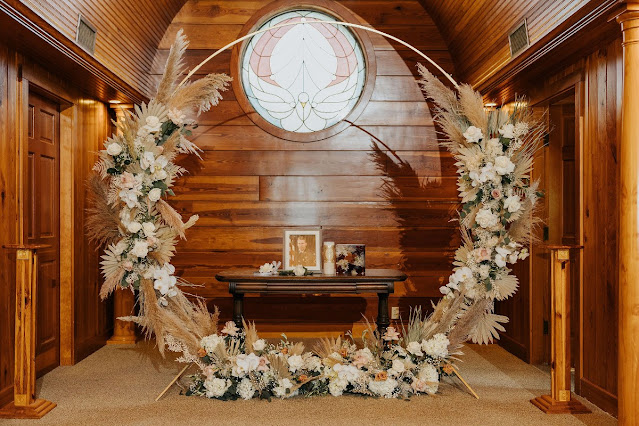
(383, 388)
(149, 229)
(520, 129)
(362, 357)
(155, 194)
(295, 363)
(398, 367)
(299, 270)
(436, 346)
(283, 388)
(336, 386)
(429, 378)
(512, 203)
(140, 248)
(501, 256)
(484, 271)
(267, 268)
(134, 227)
(415, 348)
(486, 218)
(492, 147)
(246, 363)
(473, 134)
(164, 281)
(230, 328)
(507, 131)
(114, 149)
(209, 343)
(128, 180)
(176, 116)
(245, 389)
(482, 253)
(503, 165)
(259, 345)
(523, 254)
(153, 123)
(391, 334)
(215, 387)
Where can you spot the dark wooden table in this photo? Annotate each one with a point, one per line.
(379, 281)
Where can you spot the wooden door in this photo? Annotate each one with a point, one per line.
(43, 224)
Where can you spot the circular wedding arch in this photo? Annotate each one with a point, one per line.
(494, 151)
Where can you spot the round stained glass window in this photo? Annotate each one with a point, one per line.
(305, 77)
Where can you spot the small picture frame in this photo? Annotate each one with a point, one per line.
(302, 247)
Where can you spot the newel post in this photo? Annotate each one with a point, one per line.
(25, 405)
(560, 399)
(628, 365)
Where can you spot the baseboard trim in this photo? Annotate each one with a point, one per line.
(599, 396)
(514, 347)
(6, 396)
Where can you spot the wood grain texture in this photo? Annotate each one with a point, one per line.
(383, 181)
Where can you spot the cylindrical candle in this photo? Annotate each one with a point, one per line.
(329, 257)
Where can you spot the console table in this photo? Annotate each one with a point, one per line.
(379, 281)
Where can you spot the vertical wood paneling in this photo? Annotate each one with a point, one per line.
(250, 185)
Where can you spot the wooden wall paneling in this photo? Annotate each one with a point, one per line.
(250, 185)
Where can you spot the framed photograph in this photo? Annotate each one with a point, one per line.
(302, 247)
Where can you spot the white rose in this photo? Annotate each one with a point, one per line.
(473, 134)
(259, 345)
(295, 363)
(149, 229)
(503, 165)
(507, 131)
(512, 203)
(134, 227)
(140, 248)
(114, 149)
(153, 123)
(415, 348)
(155, 194)
(486, 218)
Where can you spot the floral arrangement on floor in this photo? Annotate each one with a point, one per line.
(129, 215)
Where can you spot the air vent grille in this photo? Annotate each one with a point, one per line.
(518, 39)
(85, 35)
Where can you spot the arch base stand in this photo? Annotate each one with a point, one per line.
(549, 406)
(36, 410)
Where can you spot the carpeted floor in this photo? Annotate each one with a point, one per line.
(118, 386)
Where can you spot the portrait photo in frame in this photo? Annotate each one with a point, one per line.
(302, 247)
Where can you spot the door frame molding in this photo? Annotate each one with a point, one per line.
(32, 81)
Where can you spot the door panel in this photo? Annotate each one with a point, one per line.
(43, 224)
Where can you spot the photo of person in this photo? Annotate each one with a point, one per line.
(302, 247)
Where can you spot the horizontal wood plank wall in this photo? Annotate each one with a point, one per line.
(603, 89)
(128, 31)
(250, 186)
(477, 32)
(88, 123)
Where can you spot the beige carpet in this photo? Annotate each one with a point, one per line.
(118, 385)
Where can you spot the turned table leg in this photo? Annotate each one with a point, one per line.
(383, 319)
(238, 308)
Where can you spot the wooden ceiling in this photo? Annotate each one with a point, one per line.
(475, 31)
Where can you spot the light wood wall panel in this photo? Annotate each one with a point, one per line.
(128, 31)
(250, 185)
(86, 321)
(477, 32)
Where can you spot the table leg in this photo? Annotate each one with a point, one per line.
(238, 308)
(383, 319)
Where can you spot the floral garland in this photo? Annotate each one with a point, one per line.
(136, 170)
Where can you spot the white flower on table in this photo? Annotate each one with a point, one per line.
(473, 134)
(114, 149)
(299, 270)
(283, 388)
(336, 386)
(503, 165)
(507, 131)
(512, 203)
(350, 373)
(486, 218)
(267, 268)
(245, 364)
(383, 388)
(427, 380)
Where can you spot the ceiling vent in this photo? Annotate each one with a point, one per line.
(518, 39)
(85, 35)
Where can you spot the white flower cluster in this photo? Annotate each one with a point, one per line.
(140, 175)
(494, 196)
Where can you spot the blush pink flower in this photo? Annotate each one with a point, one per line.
(391, 334)
(127, 180)
(263, 365)
(481, 254)
(230, 328)
(496, 194)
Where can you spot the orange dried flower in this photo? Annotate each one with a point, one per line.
(284, 351)
(201, 352)
(302, 378)
(448, 369)
(381, 376)
(343, 352)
